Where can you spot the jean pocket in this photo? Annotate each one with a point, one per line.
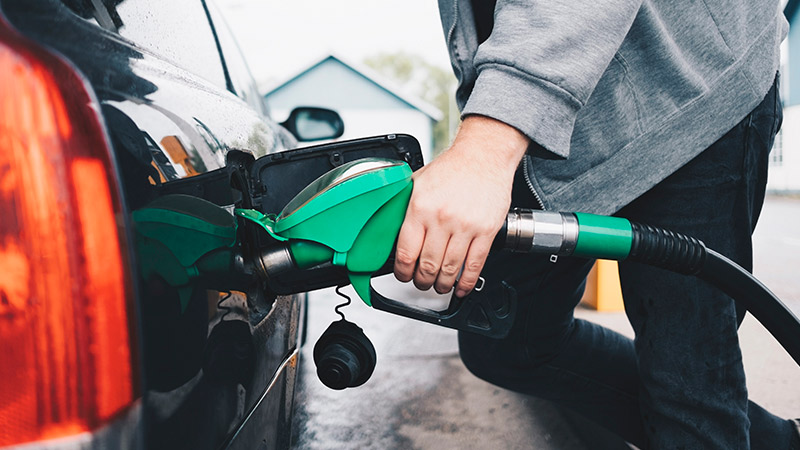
(766, 120)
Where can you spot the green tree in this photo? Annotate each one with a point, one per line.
(427, 81)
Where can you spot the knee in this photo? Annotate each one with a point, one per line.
(509, 370)
(494, 361)
(477, 363)
(479, 355)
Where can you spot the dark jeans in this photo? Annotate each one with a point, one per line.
(680, 383)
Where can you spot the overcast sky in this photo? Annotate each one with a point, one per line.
(280, 37)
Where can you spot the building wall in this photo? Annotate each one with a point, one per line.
(791, 74)
(784, 169)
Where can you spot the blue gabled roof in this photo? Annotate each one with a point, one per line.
(790, 10)
(298, 75)
(366, 75)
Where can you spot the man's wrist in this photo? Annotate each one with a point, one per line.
(497, 142)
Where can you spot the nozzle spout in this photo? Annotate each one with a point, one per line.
(273, 261)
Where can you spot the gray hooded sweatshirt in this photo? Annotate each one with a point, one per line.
(619, 93)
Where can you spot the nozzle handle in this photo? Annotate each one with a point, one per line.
(487, 313)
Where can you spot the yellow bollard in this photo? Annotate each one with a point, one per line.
(603, 292)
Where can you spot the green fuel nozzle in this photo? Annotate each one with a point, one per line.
(348, 219)
(187, 241)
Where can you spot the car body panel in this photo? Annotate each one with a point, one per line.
(166, 122)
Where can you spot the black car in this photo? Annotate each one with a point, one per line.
(105, 104)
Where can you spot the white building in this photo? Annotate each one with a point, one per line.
(369, 105)
(784, 169)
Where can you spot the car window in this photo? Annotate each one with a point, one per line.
(82, 8)
(239, 72)
(177, 30)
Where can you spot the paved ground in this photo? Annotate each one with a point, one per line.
(421, 396)
(772, 374)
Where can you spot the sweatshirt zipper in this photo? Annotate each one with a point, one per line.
(526, 167)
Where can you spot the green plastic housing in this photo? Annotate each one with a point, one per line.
(350, 217)
(603, 237)
(182, 238)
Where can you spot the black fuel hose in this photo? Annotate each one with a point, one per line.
(765, 306)
(687, 255)
(615, 238)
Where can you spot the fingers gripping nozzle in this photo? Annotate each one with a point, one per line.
(348, 220)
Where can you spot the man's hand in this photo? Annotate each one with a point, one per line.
(457, 207)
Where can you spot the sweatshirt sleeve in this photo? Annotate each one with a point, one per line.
(542, 62)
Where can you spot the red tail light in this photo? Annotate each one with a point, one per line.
(65, 343)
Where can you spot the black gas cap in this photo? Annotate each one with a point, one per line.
(344, 356)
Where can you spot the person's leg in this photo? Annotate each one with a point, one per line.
(692, 384)
(549, 353)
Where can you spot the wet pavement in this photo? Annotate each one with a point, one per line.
(772, 376)
(421, 396)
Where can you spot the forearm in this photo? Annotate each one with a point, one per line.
(542, 62)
